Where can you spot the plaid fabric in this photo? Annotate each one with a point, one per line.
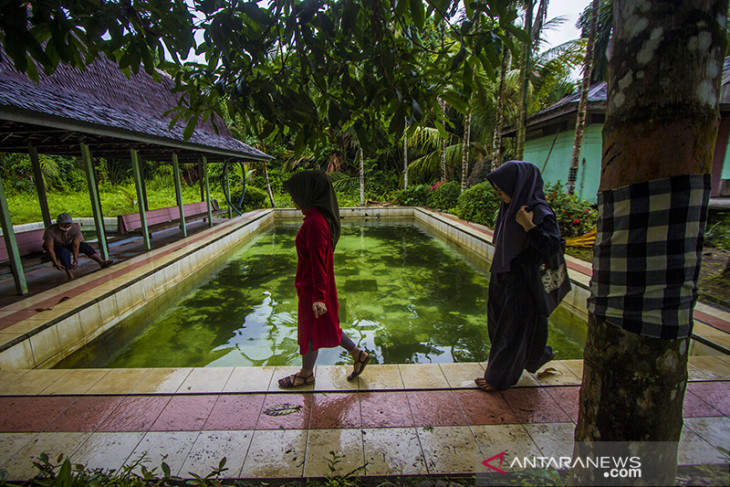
(646, 259)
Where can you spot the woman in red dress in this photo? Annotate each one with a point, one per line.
(318, 318)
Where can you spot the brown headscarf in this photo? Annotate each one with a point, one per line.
(313, 189)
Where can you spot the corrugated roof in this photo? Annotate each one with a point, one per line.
(101, 107)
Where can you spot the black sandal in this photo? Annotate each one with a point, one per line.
(288, 383)
(360, 361)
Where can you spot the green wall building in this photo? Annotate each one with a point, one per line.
(550, 133)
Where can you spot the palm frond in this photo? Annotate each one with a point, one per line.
(429, 166)
(343, 182)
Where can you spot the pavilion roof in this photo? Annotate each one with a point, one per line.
(112, 114)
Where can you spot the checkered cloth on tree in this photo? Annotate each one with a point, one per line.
(647, 255)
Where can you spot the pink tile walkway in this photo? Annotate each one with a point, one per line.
(338, 410)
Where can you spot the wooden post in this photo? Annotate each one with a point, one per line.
(201, 176)
(95, 201)
(138, 184)
(228, 192)
(11, 244)
(40, 185)
(178, 194)
(144, 189)
(204, 166)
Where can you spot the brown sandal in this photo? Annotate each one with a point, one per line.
(362, 361)
(290, 381)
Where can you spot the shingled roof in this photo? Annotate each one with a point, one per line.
(110, 113)
(561, 115)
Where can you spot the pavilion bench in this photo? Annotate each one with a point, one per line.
(30, 250)
(163, 217)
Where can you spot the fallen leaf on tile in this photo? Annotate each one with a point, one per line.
(64, 298)
(548, 371)
(282, 409)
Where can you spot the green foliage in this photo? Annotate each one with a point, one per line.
(65, 474)
(718, 230)
(413, 196)
(445, 197)
(575, 216)
(335, 480)
(276, 179)
(479, 204)
(132, 35)
(58, 173)
(379, 184)
(115, 200)
(376, 69)
(254, 198)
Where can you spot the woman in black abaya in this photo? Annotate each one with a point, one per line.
(526, 232)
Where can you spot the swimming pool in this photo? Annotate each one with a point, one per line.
(406, 294)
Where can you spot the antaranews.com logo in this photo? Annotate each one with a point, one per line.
(613, 467)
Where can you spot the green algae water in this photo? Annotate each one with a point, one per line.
(405, 295)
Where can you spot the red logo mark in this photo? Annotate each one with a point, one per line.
(501, 459)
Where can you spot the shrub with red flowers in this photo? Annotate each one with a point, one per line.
(575, 216)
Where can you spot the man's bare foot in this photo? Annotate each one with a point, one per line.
(70, 274)
(484, 385)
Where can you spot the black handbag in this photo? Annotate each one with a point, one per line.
(552, 283)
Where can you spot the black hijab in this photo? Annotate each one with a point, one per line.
(522, 182)
(313, 189)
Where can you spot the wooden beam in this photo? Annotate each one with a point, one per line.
(139, 186)
(40, 185)
(11, 244)
(204, 166)
(178, 193)
(95, 201)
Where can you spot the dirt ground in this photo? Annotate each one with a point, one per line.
(714, 288)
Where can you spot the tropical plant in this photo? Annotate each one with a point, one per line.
(417, 195)
(254, 198)
(575, 216)
(479, 204)
(445, 196)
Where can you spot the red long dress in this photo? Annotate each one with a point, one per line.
(315, 281)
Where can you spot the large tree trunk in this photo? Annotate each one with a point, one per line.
(497, 138)
(661, 123)
(525, 67)
(580, 121)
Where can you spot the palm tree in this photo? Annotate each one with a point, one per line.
(497, 137)
(405, 159)
(583, 102)
(533, 32)
(465, 150)
(603, 31)
(442, 105)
